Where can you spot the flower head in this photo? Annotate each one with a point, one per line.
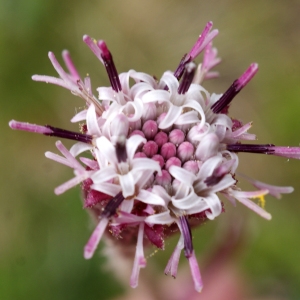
(162, 151)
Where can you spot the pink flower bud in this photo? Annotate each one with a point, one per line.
(150, 129)
(161, 138)
(176, 136)
(139, 155)
(185, 151)
(173, 161)
(137, 132)
(191, 166)
(159, 159)
(150, 148)
(168, 150)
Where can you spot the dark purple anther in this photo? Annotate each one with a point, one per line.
(187, 236)
(112, 206)
(252, 148)
(187, 78)
(66, 134)
(234, 89)
(121, 152)
(110, 66)
(180, 69)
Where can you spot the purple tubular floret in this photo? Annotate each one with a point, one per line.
(112, 206)
(187, 236)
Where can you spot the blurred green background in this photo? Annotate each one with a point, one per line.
(42, 235)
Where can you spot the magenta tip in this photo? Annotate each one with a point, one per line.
(247, 76)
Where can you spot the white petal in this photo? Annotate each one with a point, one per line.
(104, 175)
(155, 96)
(75, 164)
(225, 183)
(125, 217)
(91, 121)
(274, 190)
(214, 204)
(136, 106)
(71, 183)
(107, 188)
(194, 267)
(107, 149)
(208, 147)
(150, 198)
(58, 159)
(145, 164)
(132, 144)
(144, 179)
(90, 163)
(253, 206)
(143, 77)
(119, 126)
(182, 191)
(171, 117)
(186, 202)
(79, 148)
(196, 106)
(106, 93)
(223, 120)
(161, 192)
(140, 89)
(127, 183)
(170, 80)
(127, 205)
(139, 259)
(95, 238)
(198, 207)
(187, 118)
(81, 116)
(172, 265)
(182, 175)
(208, 167)
(161, 218)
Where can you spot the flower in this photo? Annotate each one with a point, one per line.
(162, 152)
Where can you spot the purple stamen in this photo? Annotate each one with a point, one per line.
(180, 69)
(187, 78)
(204, 39)
(289, 152)
(234, 89)
(252, 148)
(71, 135)
(109, 66)
(51, 131)
(187, 236)
(111, 207)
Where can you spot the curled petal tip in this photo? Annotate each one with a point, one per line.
(11, 124)
(87, 254)
(85, 37)
(51, 54)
